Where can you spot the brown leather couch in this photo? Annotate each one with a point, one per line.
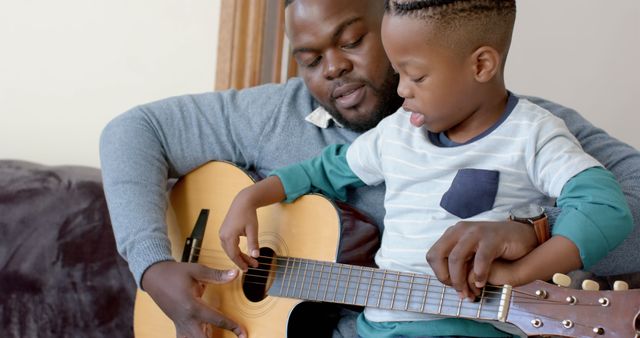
(60, 274)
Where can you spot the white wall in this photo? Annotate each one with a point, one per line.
(68, 66)
(584, 54)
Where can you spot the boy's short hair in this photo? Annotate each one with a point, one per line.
(463, 25)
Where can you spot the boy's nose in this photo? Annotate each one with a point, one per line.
(403, 90)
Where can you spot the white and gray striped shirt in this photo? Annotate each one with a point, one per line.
(527, 157)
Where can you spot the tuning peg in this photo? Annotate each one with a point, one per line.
(561, 279)
(590, 285)
(620, 285)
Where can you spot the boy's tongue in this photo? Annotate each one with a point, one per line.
(416, 119)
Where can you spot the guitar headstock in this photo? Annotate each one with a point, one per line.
(540, 308)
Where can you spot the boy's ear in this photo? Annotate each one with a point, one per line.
(486, 61)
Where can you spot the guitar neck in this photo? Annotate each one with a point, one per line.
(354, 285)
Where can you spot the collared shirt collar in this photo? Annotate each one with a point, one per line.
(320, 117)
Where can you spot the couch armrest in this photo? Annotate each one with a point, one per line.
(60, 273)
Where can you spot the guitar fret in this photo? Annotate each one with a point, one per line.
(366, 301)
(481, 300)
(295, 282)
(324, 297)
(384, 276)
(346, 288)
(284, 276)
(444, 288)
(406, 305)
(294, 275)
(304, 276)
(395, 289)
(310, 278)
(335, 290)
(459, 307)
(319, 280)
(426, 292)
(355, 297)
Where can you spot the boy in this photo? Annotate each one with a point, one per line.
(461, 147)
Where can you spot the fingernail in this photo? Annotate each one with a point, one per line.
(255, 253)
(479, 284)
(231, 273)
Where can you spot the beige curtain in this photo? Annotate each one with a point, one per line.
(252, 47)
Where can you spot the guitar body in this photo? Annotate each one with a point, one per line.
(310, 227)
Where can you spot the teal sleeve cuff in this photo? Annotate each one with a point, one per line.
(595, 215)
(454, 327)
(294, 180)
(328, 173)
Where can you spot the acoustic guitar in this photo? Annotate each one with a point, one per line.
(298, 263)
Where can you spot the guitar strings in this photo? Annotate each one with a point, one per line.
(450, 302)
(387, 291)
(447, 303)
(433, 284)
(449, 298)
(330, 272)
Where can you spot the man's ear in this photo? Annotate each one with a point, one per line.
(487, 63)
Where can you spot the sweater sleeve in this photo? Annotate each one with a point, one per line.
(595, 215)
(144, 147)
(329, 173)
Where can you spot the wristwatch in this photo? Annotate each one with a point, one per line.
(532, 214)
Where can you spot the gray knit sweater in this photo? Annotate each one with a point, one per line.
(261, 129)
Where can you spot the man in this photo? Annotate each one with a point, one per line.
(347, 86)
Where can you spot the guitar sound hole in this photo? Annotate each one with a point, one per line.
(256, 280)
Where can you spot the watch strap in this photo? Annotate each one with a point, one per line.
(541, 228)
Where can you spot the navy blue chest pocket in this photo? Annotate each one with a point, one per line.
(473, 191)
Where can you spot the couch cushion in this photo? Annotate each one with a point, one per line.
(60, 274)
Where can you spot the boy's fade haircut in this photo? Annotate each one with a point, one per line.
(463, 25)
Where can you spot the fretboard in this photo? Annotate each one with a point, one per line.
(349, 284)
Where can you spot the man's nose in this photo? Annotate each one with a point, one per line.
(336, 65)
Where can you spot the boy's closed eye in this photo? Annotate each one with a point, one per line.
(418, 79)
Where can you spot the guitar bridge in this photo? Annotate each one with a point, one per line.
(193, 243)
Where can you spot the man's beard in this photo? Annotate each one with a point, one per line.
(388, 103)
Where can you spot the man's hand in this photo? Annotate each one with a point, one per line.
(469, 248)
(177, 288)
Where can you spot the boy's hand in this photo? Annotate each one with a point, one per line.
(241, 220)
(504, 272)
